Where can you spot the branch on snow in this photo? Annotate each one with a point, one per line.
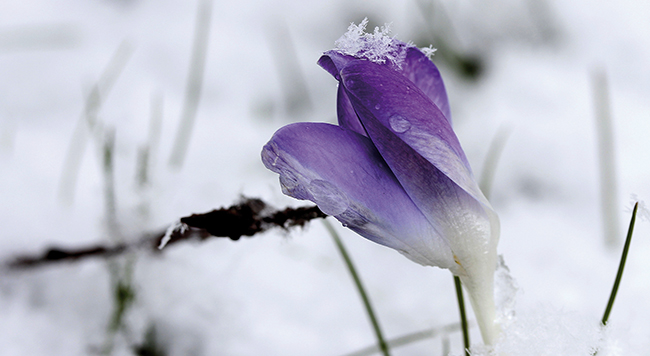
(247, 218)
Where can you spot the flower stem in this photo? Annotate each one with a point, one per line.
(621, 266)
(463, 317)
(381, 342)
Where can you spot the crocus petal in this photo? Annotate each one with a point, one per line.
(347, 117)
(450, 209)
(416, 140)
(343, 173)
(419, 69)
(333, 61)
(416, 67)
(397, 104)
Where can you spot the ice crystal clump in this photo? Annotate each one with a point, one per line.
(378, 47)
(505, 292)
(429, 51)
(643, 212)
(545, 331)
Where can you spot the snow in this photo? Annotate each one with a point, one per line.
(289, 293)
(377, 46)
(175, 226)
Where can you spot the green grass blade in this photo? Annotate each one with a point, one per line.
(606, 158)
(194, 84)
(621, 266)
(410, 338)
(492, 159)
(89, 122)
(381, 342)
(463, 316)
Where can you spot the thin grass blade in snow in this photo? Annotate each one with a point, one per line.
(621, 266)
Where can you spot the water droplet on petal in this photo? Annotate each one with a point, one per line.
(288, 181)
(377, 107)
(328, 198)
(269, 156)
(399, 124)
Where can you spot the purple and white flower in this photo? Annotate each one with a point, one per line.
(393, 170)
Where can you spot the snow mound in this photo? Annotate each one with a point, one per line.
(546, 331)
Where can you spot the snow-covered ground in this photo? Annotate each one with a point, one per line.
(290, 294)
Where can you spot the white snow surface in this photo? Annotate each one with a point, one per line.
(289, 293)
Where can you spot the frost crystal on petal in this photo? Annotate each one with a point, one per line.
(429, 51)
(377, 47)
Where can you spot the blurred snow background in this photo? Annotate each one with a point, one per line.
(525, 67)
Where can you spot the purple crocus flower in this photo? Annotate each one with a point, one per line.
(393, 169)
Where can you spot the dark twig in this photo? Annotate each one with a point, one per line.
(247, 218)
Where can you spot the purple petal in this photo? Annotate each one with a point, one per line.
(419, 69)
(347, 116)
(384, 98)
(416, 67)
(447, 206)
(417, 142)
(333, 61)
(343, 173)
